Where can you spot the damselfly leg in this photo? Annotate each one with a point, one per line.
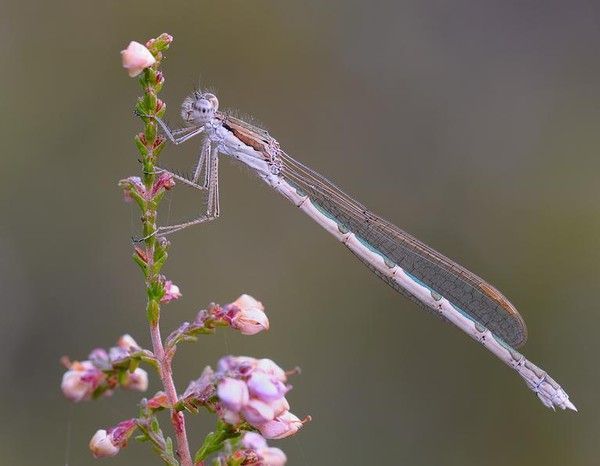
(210, 158)
(177, 136)
(207, 165)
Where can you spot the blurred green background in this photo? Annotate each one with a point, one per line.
(474, 125)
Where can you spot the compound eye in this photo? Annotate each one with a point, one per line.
(213, 100)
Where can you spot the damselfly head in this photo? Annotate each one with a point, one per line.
(199, 108)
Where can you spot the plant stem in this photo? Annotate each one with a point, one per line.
(166, 376)
(149, 144)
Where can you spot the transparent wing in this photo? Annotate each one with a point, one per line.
(465, 290)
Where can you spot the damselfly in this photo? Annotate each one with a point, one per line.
(406, 264)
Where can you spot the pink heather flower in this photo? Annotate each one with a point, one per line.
(137, 380)
(135, 58)
(257, 412)
(233, 393)
(250, 317)
(127, 343)
(102, 446)
(80, 381)
(171, 292)
(282, 426)
(253, 441)
(163, 182)
(109, 442)
(272, 456)
(133, 183)
(266, 388)
(269, 367)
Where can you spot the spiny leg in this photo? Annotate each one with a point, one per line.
(203, 163)
(213, 208)
(180, 178)
(176, 136)
(213, 199)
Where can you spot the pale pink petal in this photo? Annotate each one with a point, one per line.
(136, 57)
(127, 343)
(171, 292)
(266, 388)
(272, 456)
(253, 441)
(269, 367)
(137, 380)
(233, 393)
(257, 412)
(102, 446)
(282, 426)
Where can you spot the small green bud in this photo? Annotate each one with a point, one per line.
(150, 100)
(150, 131)
(141, 146)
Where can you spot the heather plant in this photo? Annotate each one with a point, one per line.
(246, 395)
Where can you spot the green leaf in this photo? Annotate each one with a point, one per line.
(215, 441)
(133, 364)
(142, 149)
(154, 425)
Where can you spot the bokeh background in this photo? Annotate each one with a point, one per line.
(474, 125)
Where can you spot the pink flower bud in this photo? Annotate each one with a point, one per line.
(102, 446)
(233, 393)
(272, 456)
(164, 182)
(142, 253)
(171, 292)
(282, 426)
(159, 400)
(257, 412)
(135, 58)
(109, 442)
(137, 380)
(269, 367)
(99, 357)
(117, 354)
(250, 317)
(130, 185)
(127, 343)
(253, 441)
(80, 381)
(266, 388)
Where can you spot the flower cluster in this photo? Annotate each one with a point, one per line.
(253, 390)
(104, 371)
(248, 395)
